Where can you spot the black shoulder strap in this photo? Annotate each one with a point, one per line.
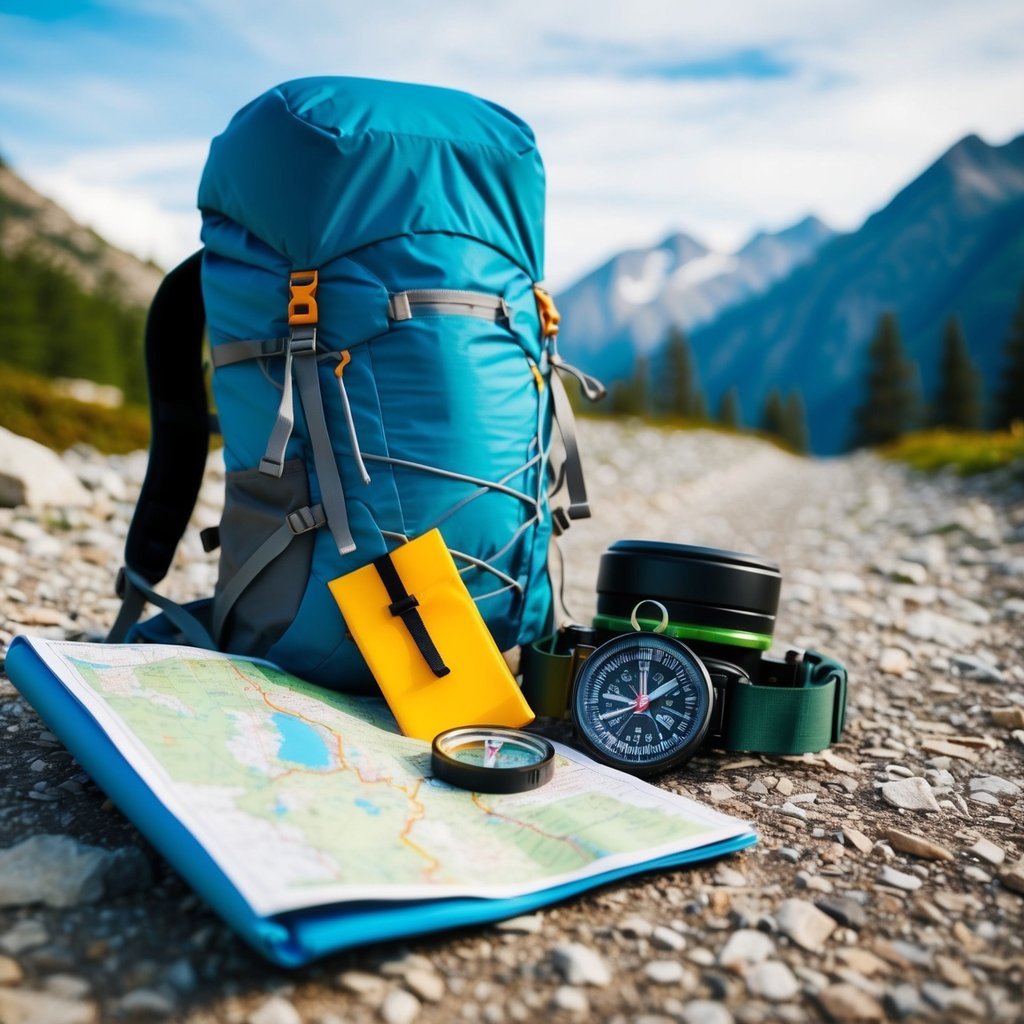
(179, 418)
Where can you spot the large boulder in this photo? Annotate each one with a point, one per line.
(31, 474)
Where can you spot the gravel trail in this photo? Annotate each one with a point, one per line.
(888, 881)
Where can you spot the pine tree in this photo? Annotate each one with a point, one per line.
(773, 418)
(1010, 397)
(958, 398)
(631, 397)
(794, 423)
(890, 403)
(678, 393)
(729, 410)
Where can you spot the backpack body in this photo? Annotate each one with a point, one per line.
(381, 368)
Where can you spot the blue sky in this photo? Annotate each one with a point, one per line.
(652, 116)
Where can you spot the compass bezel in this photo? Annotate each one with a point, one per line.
(590, 666)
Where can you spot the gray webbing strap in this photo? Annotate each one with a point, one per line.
(133, 603)
(332, 494)
(593, 390)
(137, 592)
(446, 302)
(302, 342)
(239, 351)
(579, 507)
(302, 520)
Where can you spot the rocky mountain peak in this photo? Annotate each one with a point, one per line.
(31, 222)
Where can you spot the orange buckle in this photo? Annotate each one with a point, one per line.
(550, 318)
(344, 358)
(302, 301)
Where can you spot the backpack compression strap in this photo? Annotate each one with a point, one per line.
(179, 442)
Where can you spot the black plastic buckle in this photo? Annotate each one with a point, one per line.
(120, 582)
(559, 521)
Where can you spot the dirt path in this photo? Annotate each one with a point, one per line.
(917, 584)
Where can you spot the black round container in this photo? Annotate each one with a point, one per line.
(722, 603)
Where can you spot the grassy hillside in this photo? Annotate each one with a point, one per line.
(29, 406)
(965, 453)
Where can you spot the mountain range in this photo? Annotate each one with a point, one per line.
(31, 222)
(793, 311)
(950, 243)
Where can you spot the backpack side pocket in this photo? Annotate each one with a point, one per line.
(267, 533)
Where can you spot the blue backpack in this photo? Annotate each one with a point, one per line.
(382, 365)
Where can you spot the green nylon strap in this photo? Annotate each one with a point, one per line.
(764, 719)
(686, 631)
(788, 719)
(547, 678)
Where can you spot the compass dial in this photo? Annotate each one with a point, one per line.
(642, 702)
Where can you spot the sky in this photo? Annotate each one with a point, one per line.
(652, 116)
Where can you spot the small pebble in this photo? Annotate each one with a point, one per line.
(400, 1007)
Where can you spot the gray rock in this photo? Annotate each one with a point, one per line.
(22, 1006)
(60, 872)
(913, 794)
(772, 980)
(25, 935)
(804, 924)
(940, 629)
(976, 668)
(145, 1004)
(898, 879)
(181, 976)
(994, 786)
(275, 1010)
(572, 1000)
(844, 583)
(844, 911)
(988, 851)
(1013, 566)
(746, 947)
(903, 1000)
(667, 938)
(32, 475)
(400, 1007)
(956, 1003)
(580, 965)
(919, 956)
(67, 986)
(704, 1011)
(665, 972)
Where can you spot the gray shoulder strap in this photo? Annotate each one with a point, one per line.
(302, 520)
(579, 507)
(238, 351)
(136, 593)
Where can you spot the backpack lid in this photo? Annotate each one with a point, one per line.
(319, 167)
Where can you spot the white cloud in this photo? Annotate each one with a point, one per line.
(876, 91)
(140, 198)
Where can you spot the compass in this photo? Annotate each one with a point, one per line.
(492, 759)
(642, 701)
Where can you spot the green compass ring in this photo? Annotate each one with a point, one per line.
(687, 631)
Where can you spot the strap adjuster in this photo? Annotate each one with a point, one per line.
(403, 605)
(559, 521)
(302, 520)
(302, 341)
